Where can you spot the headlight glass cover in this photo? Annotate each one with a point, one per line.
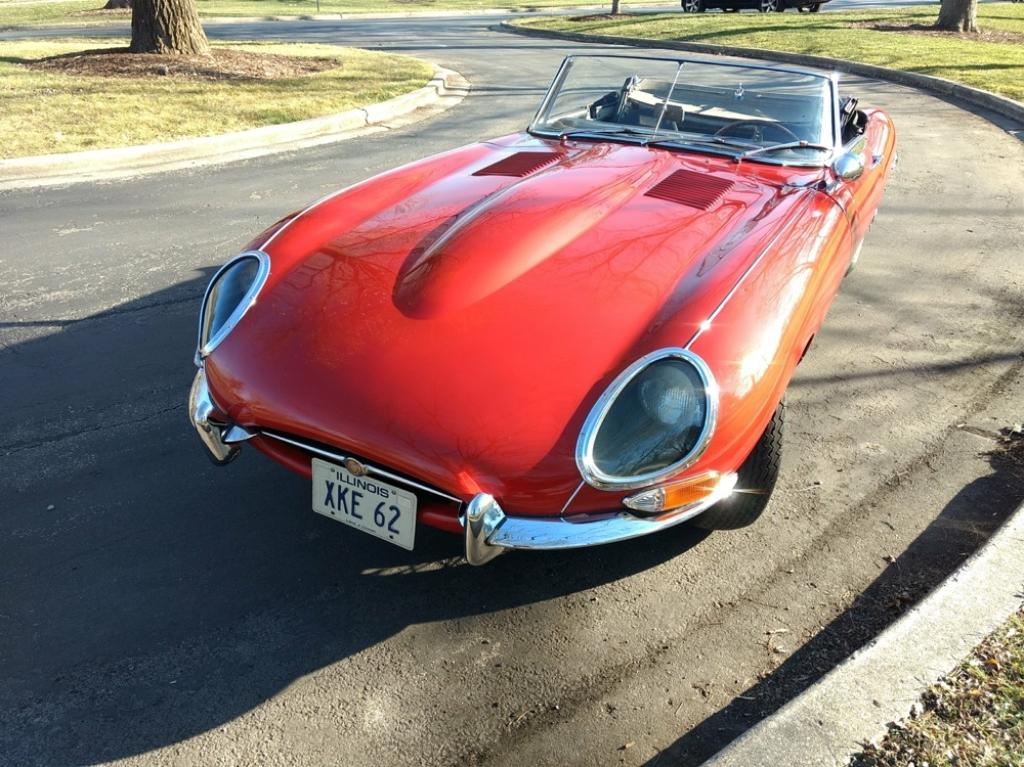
(654, 420)
(232, 291)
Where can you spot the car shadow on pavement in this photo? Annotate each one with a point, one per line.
(963, 526)
(147, 596)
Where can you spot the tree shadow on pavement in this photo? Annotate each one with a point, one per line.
(147, 596)
(963, 526)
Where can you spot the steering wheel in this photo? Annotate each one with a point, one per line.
(757, 124)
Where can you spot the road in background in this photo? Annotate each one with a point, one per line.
(158, 610)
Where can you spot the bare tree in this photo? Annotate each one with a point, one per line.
(615, 7)
(167, 26)
(958, 16)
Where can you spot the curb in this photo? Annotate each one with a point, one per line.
(444, 90)
(881, 682)
(1006, 107)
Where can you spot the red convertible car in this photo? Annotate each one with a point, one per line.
(569, 336)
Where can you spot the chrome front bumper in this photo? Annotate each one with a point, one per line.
(489, 531)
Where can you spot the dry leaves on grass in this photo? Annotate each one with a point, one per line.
(972, 718)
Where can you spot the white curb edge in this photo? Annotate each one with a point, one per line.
(878, 684)
(444, 90)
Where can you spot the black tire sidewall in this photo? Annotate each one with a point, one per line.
(759, 473)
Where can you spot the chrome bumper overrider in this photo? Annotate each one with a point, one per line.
(221, 439)
(489, 531)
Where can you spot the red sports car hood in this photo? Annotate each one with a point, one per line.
(456, 319)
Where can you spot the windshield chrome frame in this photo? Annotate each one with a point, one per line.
(830, 112)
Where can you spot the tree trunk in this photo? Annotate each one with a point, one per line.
(167, 26)
(615, 7)
(958, 16)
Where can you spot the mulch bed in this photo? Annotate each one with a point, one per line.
(221, 64)
(105, 13)
(982, 36)
(601, 17)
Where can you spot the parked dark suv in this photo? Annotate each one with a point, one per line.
(764, 6)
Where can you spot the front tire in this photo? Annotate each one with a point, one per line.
(754, 484)
(693, 6)
(771, 6)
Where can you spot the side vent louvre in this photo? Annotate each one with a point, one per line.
(518, 164)
(688, 187)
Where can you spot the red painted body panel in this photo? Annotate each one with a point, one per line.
(458, 328)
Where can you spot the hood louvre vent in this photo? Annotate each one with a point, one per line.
(687, 187)
(518, 164)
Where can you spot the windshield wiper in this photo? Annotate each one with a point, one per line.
(708, 141)
(601, 133)
(780, 147)
(744, 149)
(651, 140)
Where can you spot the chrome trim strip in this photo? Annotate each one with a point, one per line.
(837, 130)
(685, 60)
(572, 498)
(588, 468)
(706, 324)
(304, 211)
(556, 83)
(204, 347)
(491, 530)
(370, 469)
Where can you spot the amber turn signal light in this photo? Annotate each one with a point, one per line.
(683, 493)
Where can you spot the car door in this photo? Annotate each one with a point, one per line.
(874, 149)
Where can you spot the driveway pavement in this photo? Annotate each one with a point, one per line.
(159, 611)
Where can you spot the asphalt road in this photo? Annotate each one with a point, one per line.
(157, 610)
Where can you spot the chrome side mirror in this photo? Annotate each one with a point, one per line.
(848, 167)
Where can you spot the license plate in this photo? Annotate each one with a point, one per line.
(365, 503)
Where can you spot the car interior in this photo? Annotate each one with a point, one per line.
(760, 116)
(852, 121)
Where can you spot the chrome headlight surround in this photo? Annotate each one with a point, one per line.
(593, 475)
(207, 342)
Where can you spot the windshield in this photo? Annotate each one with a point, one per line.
(770, 115)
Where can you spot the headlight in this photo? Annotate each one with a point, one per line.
(654, 420)
(232, 291)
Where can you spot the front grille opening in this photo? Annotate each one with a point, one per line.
(423, 490)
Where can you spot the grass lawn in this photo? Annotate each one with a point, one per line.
(993, 61)
(26, 13)
(46, 112)
(973, 717)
